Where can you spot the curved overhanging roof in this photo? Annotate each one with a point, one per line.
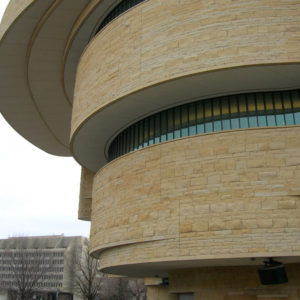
(90, 145)
(163, 268)
(41, 42)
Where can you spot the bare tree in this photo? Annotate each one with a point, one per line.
(123, 289)
(137, 288)
(86, 277)
(89, 282)
(26, 268)
(120, 289)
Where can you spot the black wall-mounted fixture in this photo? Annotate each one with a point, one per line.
(165, 281)
(273, 272)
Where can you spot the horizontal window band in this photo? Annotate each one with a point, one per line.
(252, 110)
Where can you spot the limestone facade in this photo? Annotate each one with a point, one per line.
(159, 41)
(233, 283)
(85, 197)
(204, 211)
(223, 195)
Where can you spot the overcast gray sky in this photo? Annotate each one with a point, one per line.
(38, 192)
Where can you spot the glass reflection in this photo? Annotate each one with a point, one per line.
(212, 115)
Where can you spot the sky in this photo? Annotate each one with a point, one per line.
(39, 192)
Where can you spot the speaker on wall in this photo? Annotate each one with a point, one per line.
(272, 273)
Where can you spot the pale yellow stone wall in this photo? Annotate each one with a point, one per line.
(160, 293)
(85, 197)
(159, 40)
(233, 283)
(219, 195)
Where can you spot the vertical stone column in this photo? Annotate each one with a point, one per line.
(157, 291)
(85, 196)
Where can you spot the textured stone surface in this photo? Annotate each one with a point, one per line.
(159, 40)
(160, 292)
(233, 283)
(151, 195)
(85, 196)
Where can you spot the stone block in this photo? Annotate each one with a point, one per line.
(186, 227)
(293, 161)
(217, 207)
(200, 226)
(287, 204)
(269, 204)
(249, 223)
(234, 177)
(217, 225)
(256, 162)
(234, 224)
(213, 179)
(279, 223)
(265, 223)
(235, 206)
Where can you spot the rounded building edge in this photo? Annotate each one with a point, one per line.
(89, 146)
(199, 199)
(133, 55)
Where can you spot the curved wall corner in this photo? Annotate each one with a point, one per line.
(218, 196)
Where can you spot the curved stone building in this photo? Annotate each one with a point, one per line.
(185, 118)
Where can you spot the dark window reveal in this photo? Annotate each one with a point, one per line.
(204, 116)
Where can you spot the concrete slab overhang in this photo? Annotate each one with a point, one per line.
(163, 268)
(91, 141)
(41, 42)
(40, 45)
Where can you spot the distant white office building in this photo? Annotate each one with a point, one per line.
(52, 253)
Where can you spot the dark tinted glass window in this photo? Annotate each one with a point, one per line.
(118, 10)
(211, 115)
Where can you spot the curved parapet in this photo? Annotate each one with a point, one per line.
(185, 119)
(199, 201)
(160, 54)
(20, 28)
(13, 11)
(32, 44)
(39, 51)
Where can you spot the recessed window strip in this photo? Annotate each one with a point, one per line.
(118, 10)
(212, 115)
